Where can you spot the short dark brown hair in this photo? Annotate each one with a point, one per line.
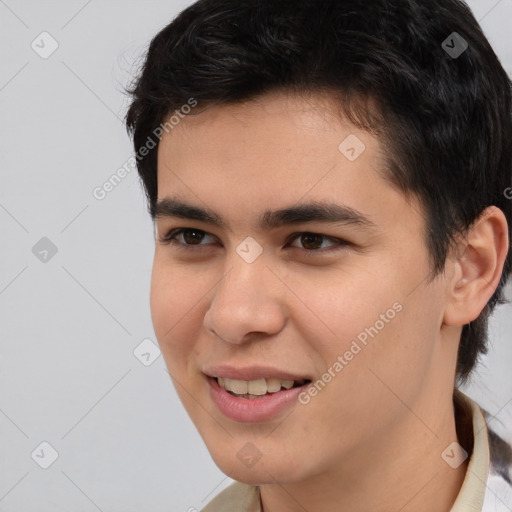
(444, 109)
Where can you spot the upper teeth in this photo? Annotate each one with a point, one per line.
(254, 387)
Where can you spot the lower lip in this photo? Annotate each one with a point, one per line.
(256, 409)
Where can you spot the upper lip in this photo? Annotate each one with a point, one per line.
(251, 373)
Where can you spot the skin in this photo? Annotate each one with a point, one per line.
(372, 438)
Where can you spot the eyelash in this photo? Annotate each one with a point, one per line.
(170, 238)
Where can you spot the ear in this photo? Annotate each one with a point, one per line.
(476, 265)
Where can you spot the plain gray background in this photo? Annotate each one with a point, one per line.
(70, 321)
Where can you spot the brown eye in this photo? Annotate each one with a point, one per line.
(192, 236)
(315, 241)
(186, 237)
(311, 241)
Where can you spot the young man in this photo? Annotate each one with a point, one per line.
(328, 181)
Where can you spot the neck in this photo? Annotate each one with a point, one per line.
(403, 472)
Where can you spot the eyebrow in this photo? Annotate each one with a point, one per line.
(325, 212)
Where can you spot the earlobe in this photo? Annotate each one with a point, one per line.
(477, 267)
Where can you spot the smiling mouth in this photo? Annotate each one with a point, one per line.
(254, 389)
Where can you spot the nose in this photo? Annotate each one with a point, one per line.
(247, 300)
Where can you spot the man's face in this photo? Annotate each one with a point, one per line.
(345, 304)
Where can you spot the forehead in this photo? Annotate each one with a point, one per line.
(273, 152)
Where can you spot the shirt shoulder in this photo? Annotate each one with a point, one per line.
(498, 492)
(237, 497)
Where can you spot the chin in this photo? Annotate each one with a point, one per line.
(265, 470)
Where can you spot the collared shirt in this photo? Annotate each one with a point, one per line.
(487, 485)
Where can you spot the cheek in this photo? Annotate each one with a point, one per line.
(371, 323)
(350, 307)
(399, 347)
(173, 298)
